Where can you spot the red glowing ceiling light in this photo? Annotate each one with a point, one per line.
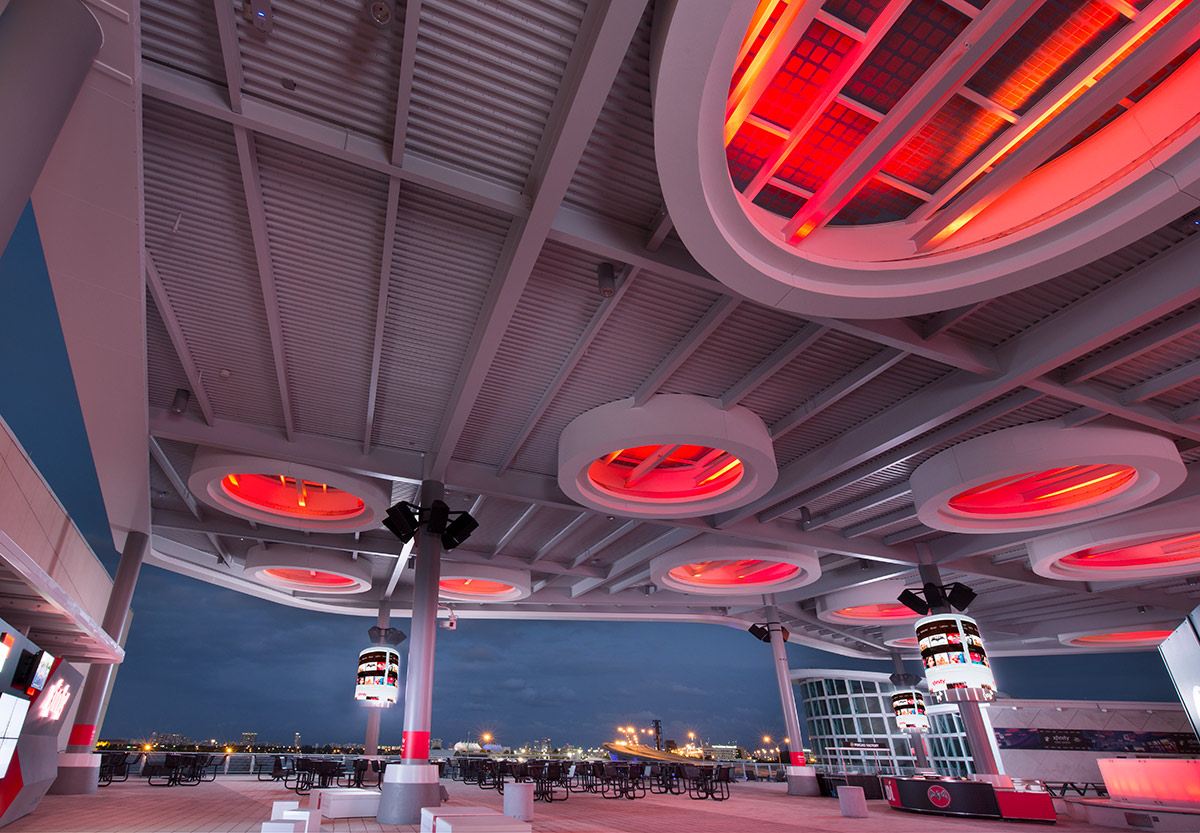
(282, 495)
(666, 472)
(1045, 492)
(734, 572)
(885, 610)
(904, 642)
(1125, 638)
(313, 578)
(474, 587)
(1166, 552)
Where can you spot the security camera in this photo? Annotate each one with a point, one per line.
(450, 624)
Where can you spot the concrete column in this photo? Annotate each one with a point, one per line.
(801, 778)
(979, 736)
(916, 739)
(413, 783)
(375, 716)
(46, 51)
(79, 767)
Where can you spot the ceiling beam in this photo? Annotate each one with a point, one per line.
(843, 387)
(990, 29)
(944, 320)
(1118, 354)
(511, 533)
(782, 356)
(1162, 383)
(381, 307)
(231, 56)
(908, 534)
(252, 185)
(560, 536)
(404, 85)
(1038, 145)
(607, 31)
(906, 513)
(599, 318)
(1091, 395)
(636, 558)
(855, 506)
(167, 312)
(1143, 294)
(209, 99)
(708, 324)
(607, 541)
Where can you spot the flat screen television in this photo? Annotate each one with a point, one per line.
(1181, 652)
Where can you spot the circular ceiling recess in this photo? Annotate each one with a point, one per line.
(307, 571)
(728, 567)
(878, 160)
(902, 638)
(481, 583)
(867, 604)
(677, 456)
(285, 494)
(1042, 476)
(1156, 543)
(1128, 639)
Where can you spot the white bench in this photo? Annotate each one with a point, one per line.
(287, 817)
(468, 820)
(346, 803)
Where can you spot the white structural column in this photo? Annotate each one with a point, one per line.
(78, 767)
(46, 51)
(801, 778)
(413, 783)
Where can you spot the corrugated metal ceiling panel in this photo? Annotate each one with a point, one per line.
(445, 258)
(487, 74)
(581, 540)
(198, 234)
(183, 34)
(1119, 380)
(749, 335)
(1153, 363)
(328, 333)
(326, 59)
(559, 301)
(617, 176)
(164, 373)
(653, 317)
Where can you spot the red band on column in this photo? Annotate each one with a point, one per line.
(82, 734)
(797, 758)
(416, 746)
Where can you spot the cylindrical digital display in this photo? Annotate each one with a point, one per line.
(953, 654)
(378, 677)
(909, 708)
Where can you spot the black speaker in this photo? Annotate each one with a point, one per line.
(959, 595)
(913, 602)
(760, 633)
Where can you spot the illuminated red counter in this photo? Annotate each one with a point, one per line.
(960, 797)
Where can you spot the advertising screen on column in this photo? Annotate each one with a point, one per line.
(909, 708)
(378, 677)
(953, 653)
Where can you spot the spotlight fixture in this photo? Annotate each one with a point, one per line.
(959, 595)
(763, 634)
(381, 12)
(402, 522)
(937, 598)
(606, 280)
(913, 602)
(458, 530)
(404, 519)
(390, 636)
(180, 402)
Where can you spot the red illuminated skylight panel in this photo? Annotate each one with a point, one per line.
(280, 495)
(772, 9)
(799, 81)
(944, 144)
(877, 202)
(474, 587)
(1058, 38)
(666, 473)
(750, 148)
(1122, 638)
(907, 642)
(740, 573)
(1045, 492)
(884, 610)
(837, 133)
(860, 13)
(314, 578)
(1148, 553)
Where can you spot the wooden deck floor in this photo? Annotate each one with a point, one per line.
(236, 803)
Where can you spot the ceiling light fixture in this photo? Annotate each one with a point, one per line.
(381, 12)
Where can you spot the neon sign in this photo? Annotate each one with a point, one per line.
(54, 700)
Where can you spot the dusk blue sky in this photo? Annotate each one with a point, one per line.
(208, 662)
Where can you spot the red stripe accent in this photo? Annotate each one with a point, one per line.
(416, 746)
(82, 734)
(797, 758)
